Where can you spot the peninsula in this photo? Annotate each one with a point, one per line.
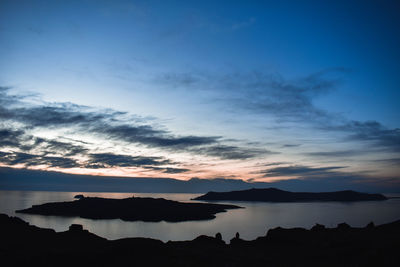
(130, 209)
(277, 195)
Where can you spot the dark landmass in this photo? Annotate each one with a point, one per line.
(130, 209)
(277, 195)
(22, 244)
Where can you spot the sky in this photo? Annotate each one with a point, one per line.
(260, 91)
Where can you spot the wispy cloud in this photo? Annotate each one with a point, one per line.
(10, 137)
(334, 154)
(22, 141)
(301, 171)
(94, 161)
(331, 178)
(100, 122)
(107, 123)
(108, 160)
(287, 101)
(271, 164)
(369, 131)
(232, 152)
(20, 119)
(29, 160)
(168, 170)
(259, 92)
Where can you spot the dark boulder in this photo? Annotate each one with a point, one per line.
(318, 227)
(371, 225)
(76, 227)
(343, 226)
(218, 236)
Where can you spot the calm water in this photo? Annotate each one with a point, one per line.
(252, 221)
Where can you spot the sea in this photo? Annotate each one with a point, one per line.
(254, 220)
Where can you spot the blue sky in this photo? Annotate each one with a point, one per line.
(258, 91)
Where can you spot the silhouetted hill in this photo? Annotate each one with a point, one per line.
(24, 245)
(276, 195)
(131, 209)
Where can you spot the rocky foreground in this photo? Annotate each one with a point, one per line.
(130, 209)
(22, 244)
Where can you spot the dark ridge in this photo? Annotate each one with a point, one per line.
(26, 245)
(130, 209)
(277, 195)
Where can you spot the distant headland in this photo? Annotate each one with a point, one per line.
(130, 209)
(277, 195)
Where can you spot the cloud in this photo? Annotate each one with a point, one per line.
(287, 101)
(67, 149)
(302, 171)
(258, 92)
(272, 164)
(10, 137)
(291, 145)
(115, 125)
(19, 119)
(151, 137)
(30, 150)
(37, 151)
(19, 139)
(7, 99)
(168, 169)
(388, 161)
(369, 131)
(175, 170)
(58, 115)
(232, 152)
(95, 161)
(108, 124)
(329, 179)
(332, 177)
(30, 160)
(60, 162)
(107, 160)
(334, 154)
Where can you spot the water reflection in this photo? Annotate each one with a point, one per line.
(252, 221)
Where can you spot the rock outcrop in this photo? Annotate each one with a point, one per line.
(22, 244)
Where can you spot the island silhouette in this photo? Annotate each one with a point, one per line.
(277, 195)
(130, 209)
(27, 245)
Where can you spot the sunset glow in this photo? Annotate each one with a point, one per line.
(201, 90)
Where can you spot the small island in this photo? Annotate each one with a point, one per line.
(130, 209)
(277, 195)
